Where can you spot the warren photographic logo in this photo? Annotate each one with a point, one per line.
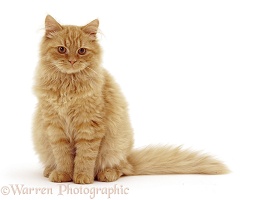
(65, 189)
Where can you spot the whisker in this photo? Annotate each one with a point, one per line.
(93, 71)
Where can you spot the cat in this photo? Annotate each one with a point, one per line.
(81, 128)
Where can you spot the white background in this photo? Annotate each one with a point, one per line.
(185, 67)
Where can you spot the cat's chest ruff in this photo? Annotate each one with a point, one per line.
(65, 103)
(60, 101)
(65, 100)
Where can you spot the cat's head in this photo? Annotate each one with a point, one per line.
(70, 49)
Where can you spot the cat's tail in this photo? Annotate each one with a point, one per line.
(172, 160)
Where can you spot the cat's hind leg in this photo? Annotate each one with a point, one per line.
(109, 175)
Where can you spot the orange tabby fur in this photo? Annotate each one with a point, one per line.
(81, 127)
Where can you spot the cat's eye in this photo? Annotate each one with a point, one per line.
(81, 51)
(61, 49)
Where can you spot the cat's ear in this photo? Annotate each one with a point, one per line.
(51, 26)
(91, 29)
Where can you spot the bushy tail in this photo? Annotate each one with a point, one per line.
(172, 160)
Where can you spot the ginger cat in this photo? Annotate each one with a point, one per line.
(81, 126)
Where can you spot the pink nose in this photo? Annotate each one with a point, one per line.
(72, 61)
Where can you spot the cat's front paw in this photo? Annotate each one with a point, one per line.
(82, 178)
(59, 177)
(47, 171)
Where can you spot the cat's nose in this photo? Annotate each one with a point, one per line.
(72, 61)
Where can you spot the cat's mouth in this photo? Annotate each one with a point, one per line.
(71, 68)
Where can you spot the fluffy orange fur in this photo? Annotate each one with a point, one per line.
(81, 126)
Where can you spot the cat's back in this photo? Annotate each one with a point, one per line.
(112, 93)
